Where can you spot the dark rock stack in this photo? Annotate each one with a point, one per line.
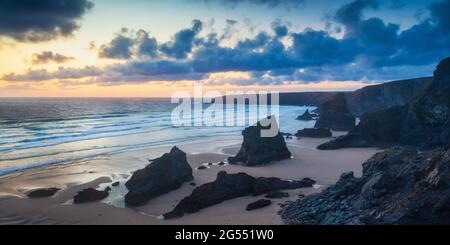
(306, 116)
(257, 150)
(164, 174)
(423, 122)
(335, 115)
(229, 186)
(398, 186)
(314, 133)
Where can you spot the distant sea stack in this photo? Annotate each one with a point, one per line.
(164, 174)
(335, 115)
(256, 150)
(400, 186)
(424, 121)
(305, 116)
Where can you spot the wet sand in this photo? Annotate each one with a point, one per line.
(323, 166)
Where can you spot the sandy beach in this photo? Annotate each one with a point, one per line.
(15, 208)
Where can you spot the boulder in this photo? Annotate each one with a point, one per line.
(41, 193)
(115, 184)
(229, 186)
(89, 195)
(258, 204)
(258, 150)
(399, 186)
(314, 133)
(306, 116)
(335, 115)
(164, 174)
(276, 195)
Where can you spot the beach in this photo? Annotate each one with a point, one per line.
(325, 167)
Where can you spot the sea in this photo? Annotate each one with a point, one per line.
(38, 132)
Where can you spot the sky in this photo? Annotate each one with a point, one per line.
(137, 48)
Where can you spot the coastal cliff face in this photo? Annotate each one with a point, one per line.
(424, 121)
(334, 114)
(367, 99)
(398, 186)
(383, 96)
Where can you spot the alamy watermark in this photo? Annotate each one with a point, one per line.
(234, 108)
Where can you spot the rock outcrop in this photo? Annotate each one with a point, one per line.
(306, 116)
(314, 133)
(368, 99)
(164, 174)
(41, 193)
(398, 186)
(89, 195)
(258, 150)
(334, 114)
(422, 122)
(229, 186)
(261, 203)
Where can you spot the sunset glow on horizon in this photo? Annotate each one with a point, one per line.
(100, 48)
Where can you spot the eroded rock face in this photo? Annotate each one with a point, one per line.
(335, 115)
(398, 186)
(164, 174)
(314, 133)
(229, 186)
(422, 122)
(258, 150)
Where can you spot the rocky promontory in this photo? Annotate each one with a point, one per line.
(398, 186)
(424, 121)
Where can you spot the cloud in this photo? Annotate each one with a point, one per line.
(182, 42)
(46, 57)
(269, 3)
(44, 20)
(370, 50)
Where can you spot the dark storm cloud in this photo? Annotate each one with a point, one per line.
(182, 42)
(46, 57)
(34, 21)
(127, 44)
(370, 49)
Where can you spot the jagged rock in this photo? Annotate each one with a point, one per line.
(40, 193)
(115, 184)
(258, 204)
(306, 116)
(277, 194)
(229, 186)
(423, 122)
(334, 114)
(89, 195)
(398, 186)
(314, 133)
(164, 174)
(257, 150)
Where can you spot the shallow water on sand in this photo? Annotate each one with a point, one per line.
(40, 132)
